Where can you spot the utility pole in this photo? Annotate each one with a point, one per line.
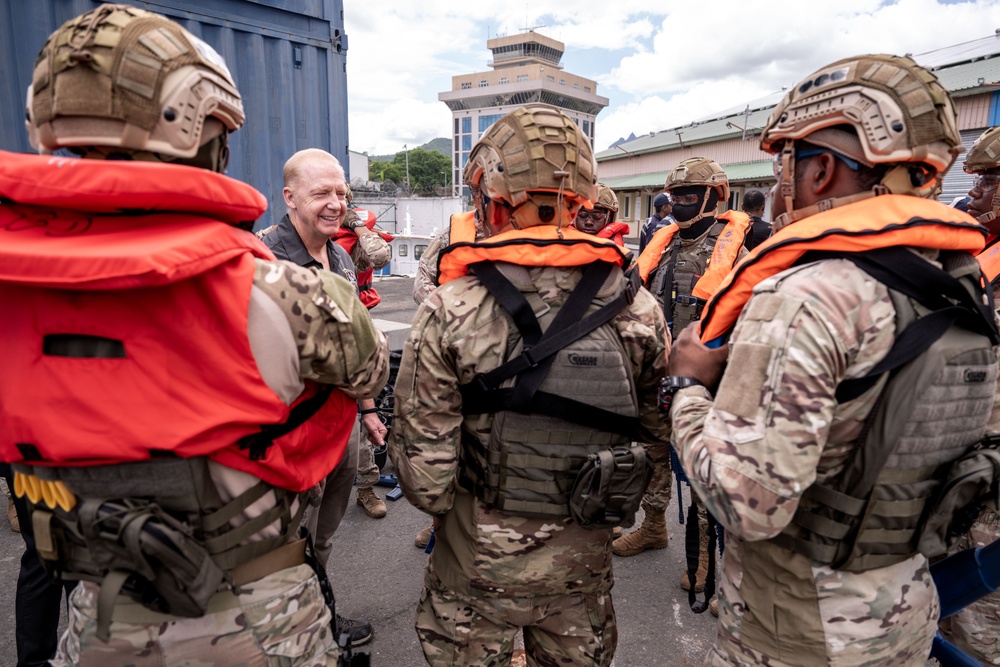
(407, 151)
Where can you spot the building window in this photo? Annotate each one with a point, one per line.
(466, 85)
(418, 250)
(576, 86)
(486, 121)
(403, 250)
(626, 205)
(483, 83)
(522, 77)
(586, 127)
(466, 124)
(549, 77)
(466, 142)
(465, 158)
(504, 80)
(562, 82)
(586, 89)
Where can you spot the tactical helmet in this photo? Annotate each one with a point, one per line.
(984, 156)
(119, 76)
(894, 112)
(697, 171)
(985, 152)
(606, 198)
(537, 161)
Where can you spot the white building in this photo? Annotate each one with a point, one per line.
(525, 69)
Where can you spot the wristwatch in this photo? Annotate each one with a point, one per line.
(670, 385)
(357, 224)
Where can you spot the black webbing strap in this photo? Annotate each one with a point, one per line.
(481, 395)
(258, 443)
(511, 299)
(567, 409)
(904, 271)
(692, 553)
(665, 281)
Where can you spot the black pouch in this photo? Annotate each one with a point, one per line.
(609, 487)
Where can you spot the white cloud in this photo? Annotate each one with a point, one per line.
(661, 64)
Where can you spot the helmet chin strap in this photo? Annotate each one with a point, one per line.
(990, 216)
(702, 214)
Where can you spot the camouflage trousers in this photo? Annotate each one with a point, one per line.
(367, 470)
(976, 629)
(574, 629)
(660, 488)
(280, 621)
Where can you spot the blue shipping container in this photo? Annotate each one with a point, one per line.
(289, 59)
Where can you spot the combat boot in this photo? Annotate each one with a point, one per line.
(652, 534)
(713, 607)
(423, 537)
(616, 532)
(702, 572)
(372, 504)
(15, 524)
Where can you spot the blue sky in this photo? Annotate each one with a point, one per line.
(661, 64)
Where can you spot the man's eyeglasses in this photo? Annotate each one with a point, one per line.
(595, 215)
(986, 181)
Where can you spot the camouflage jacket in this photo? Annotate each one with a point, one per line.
(774, 428)
(459, 331)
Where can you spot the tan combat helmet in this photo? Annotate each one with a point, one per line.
(123, 78)
(699, 171)
(982, 157)
(876, 110)
(606, 198)
(537, 161)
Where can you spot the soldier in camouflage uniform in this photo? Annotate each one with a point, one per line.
(774, 427)
(494, 572)
(976, 629)
(678, 256)
(307, 325)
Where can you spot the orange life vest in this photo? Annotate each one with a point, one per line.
(145, 256)
(462, 228)
(989, 260)
(543, 245)
(615, 231)
(879, 222)
(724, 254)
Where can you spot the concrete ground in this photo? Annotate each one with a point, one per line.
(377, 573)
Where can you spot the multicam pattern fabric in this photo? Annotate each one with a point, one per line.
(976, 629)
(577, 629)
(279, 620)
(425, 281)
(371, 251)
(459, 331)
(661, 485)
(337, 342)
(773, 429)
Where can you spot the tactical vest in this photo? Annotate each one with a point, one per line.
(565, 393)
(127, 309)
(682, 274)
(936, 385)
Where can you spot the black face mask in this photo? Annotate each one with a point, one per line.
(685, 212)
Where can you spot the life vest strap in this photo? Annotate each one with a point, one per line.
(258, 443)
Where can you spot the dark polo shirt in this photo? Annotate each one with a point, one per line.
(285, 243)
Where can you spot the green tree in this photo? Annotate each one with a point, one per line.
(429, 171)
(386, 171)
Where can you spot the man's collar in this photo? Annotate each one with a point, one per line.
(292, 242)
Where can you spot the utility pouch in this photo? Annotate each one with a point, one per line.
(125, 538)
(609, 487)
(971, 483)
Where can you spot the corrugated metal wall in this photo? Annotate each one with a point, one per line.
(288, 58)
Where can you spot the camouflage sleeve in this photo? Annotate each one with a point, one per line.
(646, 337)
(374, 247)
(337, 342)
(752, 451)
(426, 280)
(426, 429)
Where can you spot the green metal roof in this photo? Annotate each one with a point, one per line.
(744, 171)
